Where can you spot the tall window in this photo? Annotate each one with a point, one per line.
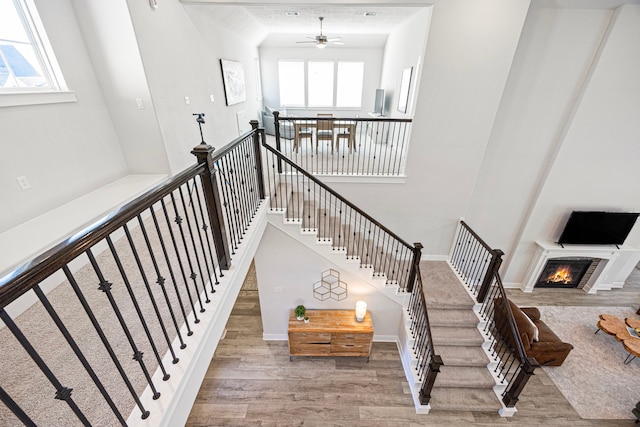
(320, 84)
(350, 79)
(291, 79)
(27, 63)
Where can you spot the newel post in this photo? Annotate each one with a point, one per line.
(214, 204)
(494, 265)
(415, 264)
(257, 134)
(511, 396)
(434, 368)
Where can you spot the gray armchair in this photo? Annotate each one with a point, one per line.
(268, 121)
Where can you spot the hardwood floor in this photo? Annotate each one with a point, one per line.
(251, 382)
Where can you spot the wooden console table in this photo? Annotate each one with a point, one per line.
(330, 333)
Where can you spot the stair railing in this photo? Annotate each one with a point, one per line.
(319, 209)
(477, 264)
(141, 275)
(344, 146)
(428, 363)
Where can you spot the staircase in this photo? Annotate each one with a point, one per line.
(464, 382)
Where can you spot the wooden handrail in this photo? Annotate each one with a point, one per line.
(353, 119)
(335, 194)
(23, 277)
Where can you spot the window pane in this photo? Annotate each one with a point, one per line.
(291, 78)
(350, 77)
(320, 84)
(19, 63)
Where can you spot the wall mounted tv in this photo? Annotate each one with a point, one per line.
(597, 228)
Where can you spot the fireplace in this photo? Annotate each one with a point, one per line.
(563, 273)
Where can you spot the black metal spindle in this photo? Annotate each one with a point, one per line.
(180, 264)
(161, 282)
(15, 408)
(62, 393)
(208, 238)
(147, 286)
(198, 230)
(74, 346)
(105, 287)
(103, 338)
(171, 273)
(193, 246)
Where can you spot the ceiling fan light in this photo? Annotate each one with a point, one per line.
(321, 45)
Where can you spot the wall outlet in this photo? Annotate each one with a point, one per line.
(24, 182)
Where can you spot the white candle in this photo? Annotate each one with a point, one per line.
(361, 310)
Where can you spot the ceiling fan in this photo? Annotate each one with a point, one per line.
(321, 40)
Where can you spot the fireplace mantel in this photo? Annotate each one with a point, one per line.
(617, 264)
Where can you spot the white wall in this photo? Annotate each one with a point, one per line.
(372, 59)
(181, 46)
(282, 262)
(565, 137)
(596, 166)
(470, 49)
(64, 150)
(405, 48)
(117, 62)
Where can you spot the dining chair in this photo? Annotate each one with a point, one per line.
(324, 131)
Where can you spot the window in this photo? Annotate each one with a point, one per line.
(291, 80)
(27, 63)
(320, 82)
(350, 79)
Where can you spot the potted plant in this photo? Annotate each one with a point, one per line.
(300, 311)
(306, 319)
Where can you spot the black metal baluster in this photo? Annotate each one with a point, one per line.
(198, 228)
(234, 179)
(17, 410)
(170, 268)
(179, 258)
(85, 363)
(161, 281)
(194, 275)
(62, 393)
(227, 202)
(154, 304)
(104, 340)
(106, 288)
(205, 228)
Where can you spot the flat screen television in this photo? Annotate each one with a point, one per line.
(597, 228)
(378, 105)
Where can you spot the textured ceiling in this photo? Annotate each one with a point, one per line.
(268, 25)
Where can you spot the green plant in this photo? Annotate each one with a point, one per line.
(300, 311)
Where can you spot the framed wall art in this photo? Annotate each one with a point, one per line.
(233, 80)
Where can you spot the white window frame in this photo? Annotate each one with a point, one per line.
(57, 90)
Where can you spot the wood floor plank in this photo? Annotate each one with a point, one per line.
(251, 382)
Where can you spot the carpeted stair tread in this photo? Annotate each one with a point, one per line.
(457, 355)
(280, 196)
(451, 317)
(295, 207)
(442, 287)
(464, 399)
(443, 335)
(464, 377)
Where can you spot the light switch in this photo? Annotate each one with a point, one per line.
(211, 98)
(140, 103)
(187, 101)
(23, 182)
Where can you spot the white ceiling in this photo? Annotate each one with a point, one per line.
(269, 25)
